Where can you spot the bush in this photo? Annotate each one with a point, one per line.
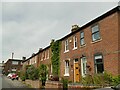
(32, 73)
(65, 83)
(22, 76)
(116, 80)
(101, 79)
(43, 73)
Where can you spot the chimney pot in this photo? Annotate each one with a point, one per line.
(23, 58)
(74, 28)
(40, 49)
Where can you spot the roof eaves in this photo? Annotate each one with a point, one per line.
(93, 21)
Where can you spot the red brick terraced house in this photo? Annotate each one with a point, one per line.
(43, 56)
(92, 48)
(12, 65)
(89, 49)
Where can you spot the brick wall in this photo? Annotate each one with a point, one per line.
(9, 66)
(33, 83)
(107, 45)
(119, 41)
(53, 84)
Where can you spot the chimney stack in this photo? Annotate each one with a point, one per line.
(74, 28)
(12, 55)
(40, 49)
(23, 58)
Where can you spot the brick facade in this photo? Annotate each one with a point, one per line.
(10, 66)
(108, 46)
(43, 56)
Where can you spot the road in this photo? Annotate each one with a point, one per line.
(8, 84)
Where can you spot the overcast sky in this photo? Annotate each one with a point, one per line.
(28, 26)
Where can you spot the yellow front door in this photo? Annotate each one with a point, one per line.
(77, 72)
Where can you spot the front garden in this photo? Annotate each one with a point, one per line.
(90, 81)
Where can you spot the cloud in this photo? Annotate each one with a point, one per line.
(28, 26)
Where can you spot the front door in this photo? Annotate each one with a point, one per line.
(76, 71)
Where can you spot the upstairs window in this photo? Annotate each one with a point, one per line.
(48, 55)
(15, 62)
(95, 33)
(82, 41)
(66, 45)
(99, 67)
(75, 42)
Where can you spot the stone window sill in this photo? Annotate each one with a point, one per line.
(66, 75)
(96, 41)
(66, 51)
(74, 48)
(83, 45)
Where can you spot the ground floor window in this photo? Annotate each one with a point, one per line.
(99, 66)
(83, 66)
(66, 67)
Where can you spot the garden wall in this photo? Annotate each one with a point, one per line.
(53, 84)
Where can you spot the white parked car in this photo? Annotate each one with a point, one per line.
(10, 75)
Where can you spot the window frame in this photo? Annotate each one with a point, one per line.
(82, 38)
(93, 33)
(15, 62)
(75, 42)
(67, 64)
(82, 72)
(66, 45)
(95, 64)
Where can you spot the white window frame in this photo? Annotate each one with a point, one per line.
(83, 60)
(48, 55)
(75, 42)
(66, 68)
(82, 38)
(42, 56)
(45, 55)
(66, 46)
(95, 31)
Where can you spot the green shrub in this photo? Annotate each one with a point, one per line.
(32, 73)
(22, 76)
(43, 74)
(116, 80)
(65, 83)
(101, 79)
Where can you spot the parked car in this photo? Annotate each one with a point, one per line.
(14, 76)
(9, 75)
(116, 87)
(110, 88)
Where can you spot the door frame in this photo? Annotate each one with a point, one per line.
(74, 69)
